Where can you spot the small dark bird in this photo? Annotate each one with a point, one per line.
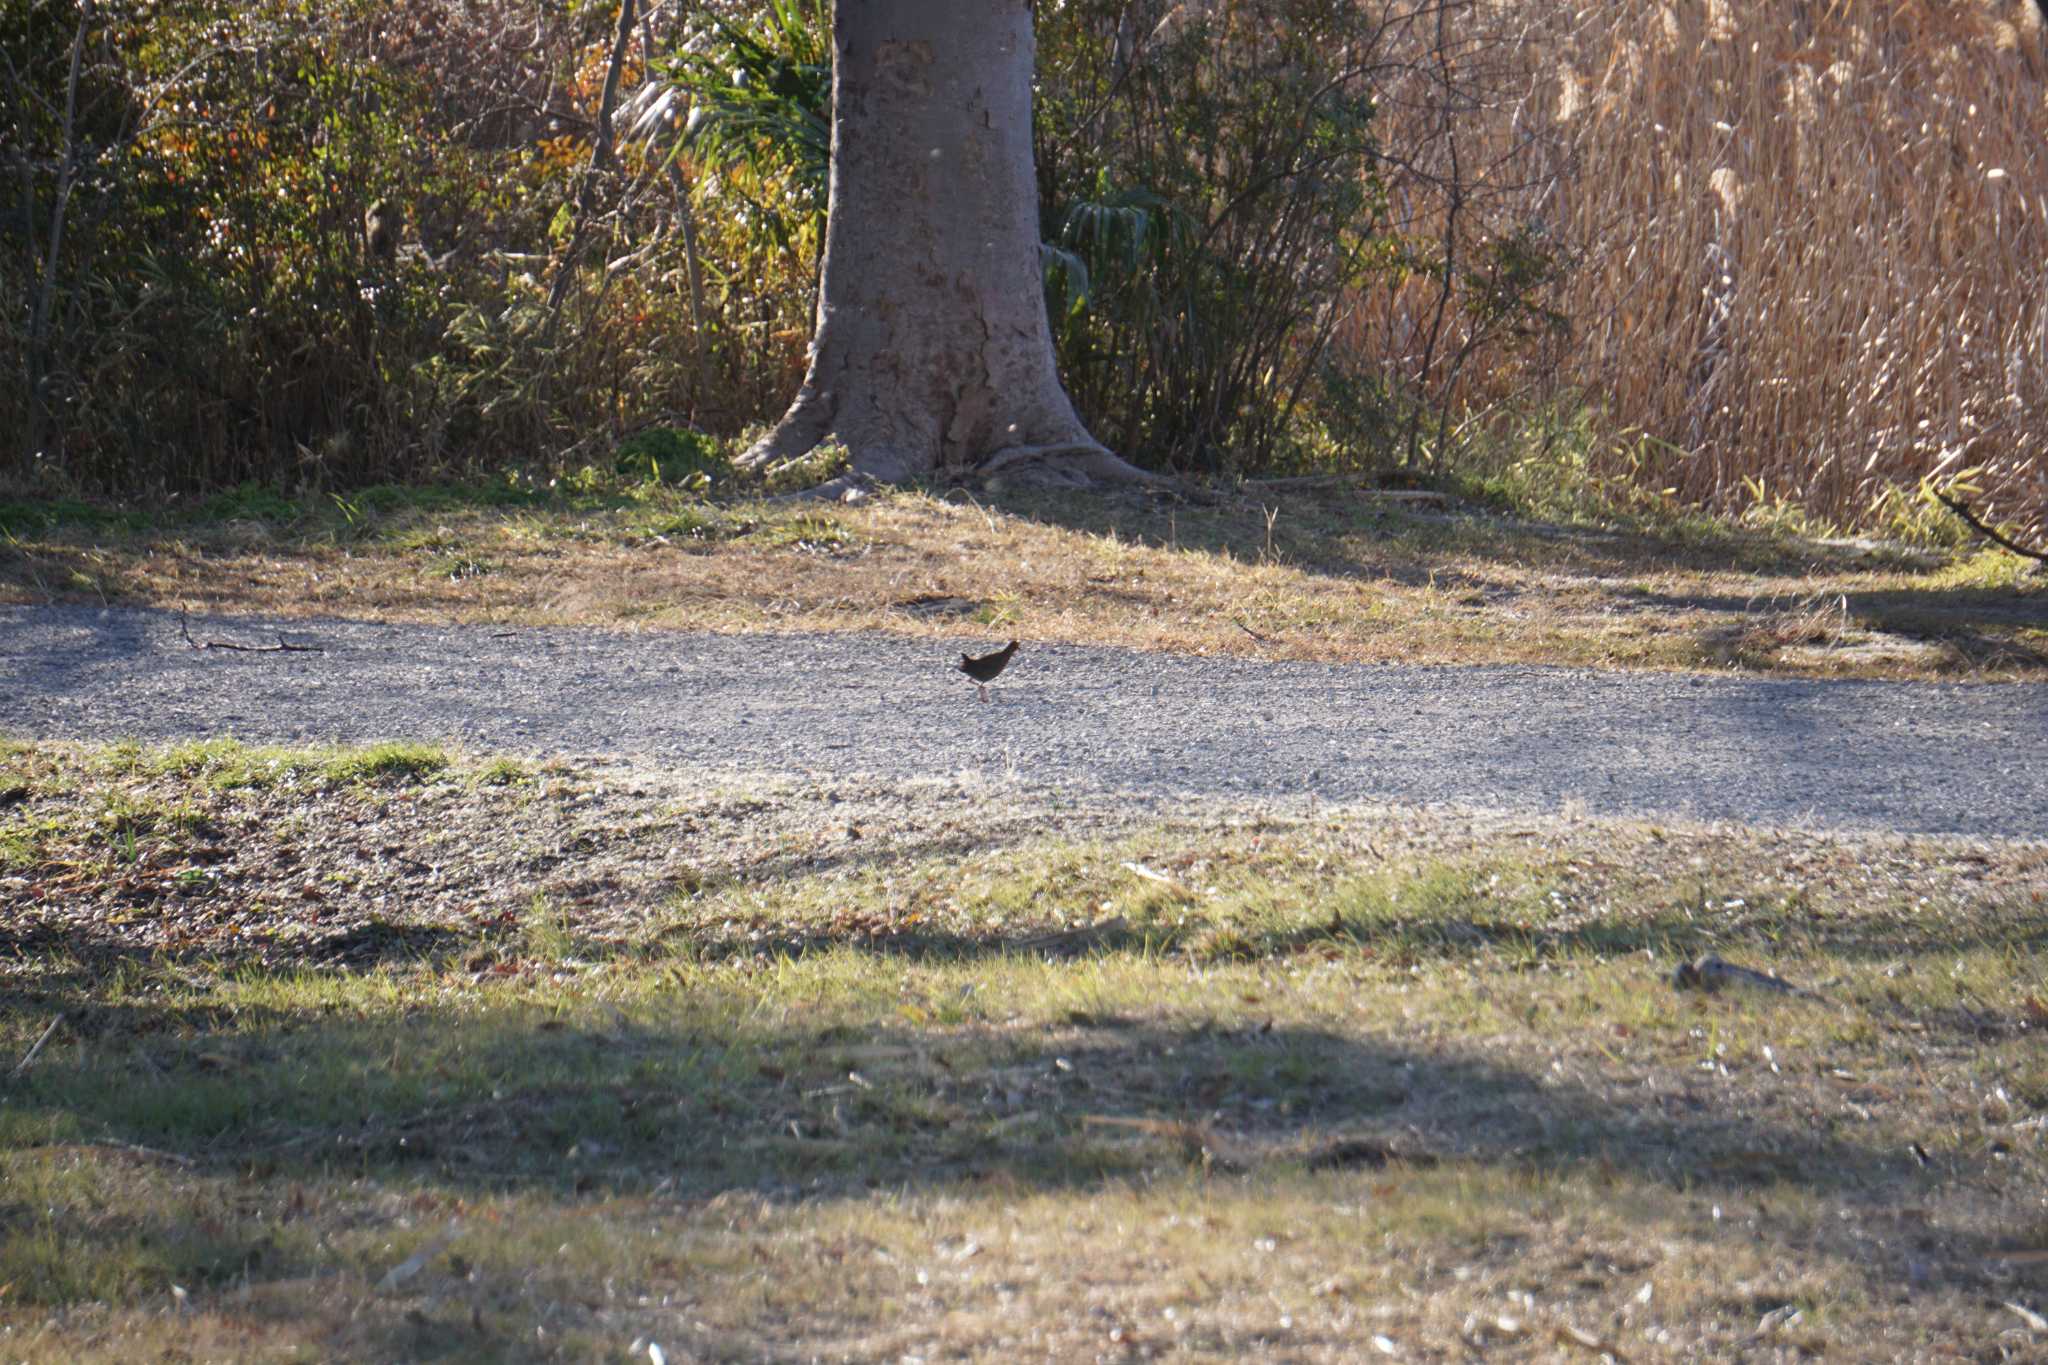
(984, 667)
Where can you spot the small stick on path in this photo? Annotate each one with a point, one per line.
(283, 646)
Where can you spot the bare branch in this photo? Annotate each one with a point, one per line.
(1970, 519)
(283, 646)
(30, 1056)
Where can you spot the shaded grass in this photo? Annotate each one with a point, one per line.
(1330, 573)
(992, 1078)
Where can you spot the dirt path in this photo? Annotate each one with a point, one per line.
(1898, 756)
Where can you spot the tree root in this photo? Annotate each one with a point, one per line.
(852, 486)
(1080, 463)
(1090, 460)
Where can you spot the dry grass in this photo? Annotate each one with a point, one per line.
(992, 1079)
(1327, 575)
(1806, 241)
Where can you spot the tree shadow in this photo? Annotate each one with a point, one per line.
(1315, 529)
(1998, 628)
(515, 1102)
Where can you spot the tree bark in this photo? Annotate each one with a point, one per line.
(932, 354)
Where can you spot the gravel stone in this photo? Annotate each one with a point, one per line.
(1905, 757)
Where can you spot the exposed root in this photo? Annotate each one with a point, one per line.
(808, 422)
(1078, 463)
(852, 486)
(1073, 463)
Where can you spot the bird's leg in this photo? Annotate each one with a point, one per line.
(984, 690)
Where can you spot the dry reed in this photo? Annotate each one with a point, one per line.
(1808, 240)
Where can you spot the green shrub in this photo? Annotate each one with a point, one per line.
(1208, 197)
(666, 455)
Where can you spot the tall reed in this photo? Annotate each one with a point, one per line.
(1814, 242)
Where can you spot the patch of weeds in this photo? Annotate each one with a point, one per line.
(75, 1235)
(544, 929)
(423, 539)
(25, 844)
(503, 772)
(229, 765)
(386, 512)
(825, 461)
(1989, 568)
(391, 763)
(25, 516)
(248, 502)
(811, 532)
(460, 567)
(385, 498)
(124, 820)
(692, 521)
(668, 455)
(1000, 610)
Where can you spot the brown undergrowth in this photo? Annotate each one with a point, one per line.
(396, 1054)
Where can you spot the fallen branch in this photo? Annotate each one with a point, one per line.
(283, 646)
(601, 159)
(1971, 520)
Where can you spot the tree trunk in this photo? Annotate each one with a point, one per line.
(932, 354)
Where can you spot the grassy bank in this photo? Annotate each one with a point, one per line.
(399, 1053)
(1328, 573)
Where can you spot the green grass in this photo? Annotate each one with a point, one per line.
(633, 1055)
(228, 764)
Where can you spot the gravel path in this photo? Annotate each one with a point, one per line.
(1894, 756)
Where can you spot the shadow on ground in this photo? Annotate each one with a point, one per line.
(510, 1101)
(1348, 532)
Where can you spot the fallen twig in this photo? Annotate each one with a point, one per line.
(1262, 639)
(283, 646)
(413, 1264)
(1970, 519)
(1153, 875)
(30, 1055)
